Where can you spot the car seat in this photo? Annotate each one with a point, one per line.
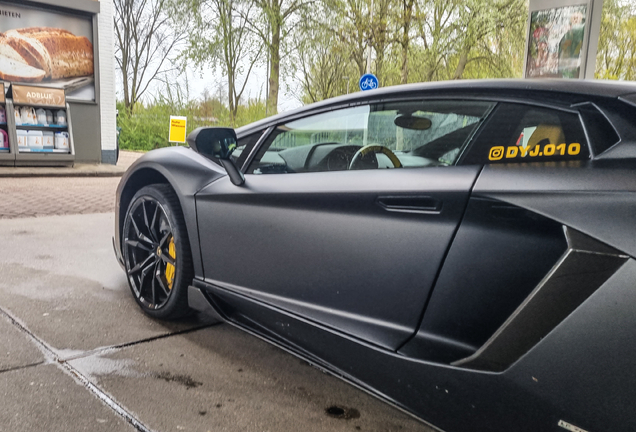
(546, 134)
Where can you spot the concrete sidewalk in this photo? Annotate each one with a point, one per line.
(126, 158)
(41, 191)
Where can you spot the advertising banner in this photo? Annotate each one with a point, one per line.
(49, 49)
(27, 95)
(555, 43)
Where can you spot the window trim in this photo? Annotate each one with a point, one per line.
(570, 110)
(607, 119)
(254, 150)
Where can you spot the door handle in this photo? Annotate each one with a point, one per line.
(410, 204)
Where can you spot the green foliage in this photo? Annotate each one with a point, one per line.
(324, 46)
(146, 127)
(412, 41)
(616, 56)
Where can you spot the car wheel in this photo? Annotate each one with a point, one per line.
(157, 252)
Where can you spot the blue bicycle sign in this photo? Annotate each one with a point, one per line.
(368, 82)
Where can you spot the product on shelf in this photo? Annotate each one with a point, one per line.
(48, 140)
(60, 117)
(3, 115)
(40, 116)
(4, 139)
(61, 140)
(34, 139)
(22, 138)
(27, 115)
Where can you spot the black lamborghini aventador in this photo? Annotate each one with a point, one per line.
(465, 250)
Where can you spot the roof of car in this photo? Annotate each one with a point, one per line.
(499, 86)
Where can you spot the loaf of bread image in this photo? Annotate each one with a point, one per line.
(56, 52)
(13, 67)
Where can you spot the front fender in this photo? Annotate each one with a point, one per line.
(185, 171)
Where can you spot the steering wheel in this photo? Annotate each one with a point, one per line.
(374, 149)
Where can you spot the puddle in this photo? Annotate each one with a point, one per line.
(95, 366)
(343, 413)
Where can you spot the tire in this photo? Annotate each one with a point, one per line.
(157, 254)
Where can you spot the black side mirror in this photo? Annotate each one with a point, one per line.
(219, 143)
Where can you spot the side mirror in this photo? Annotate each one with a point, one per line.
(217, 142)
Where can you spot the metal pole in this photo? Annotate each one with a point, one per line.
(370, 36)
(267, 71)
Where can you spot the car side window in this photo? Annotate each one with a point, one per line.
(523, 133)
(377, 136)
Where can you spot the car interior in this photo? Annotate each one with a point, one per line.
(391, 135)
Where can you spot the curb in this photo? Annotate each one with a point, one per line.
(79, 170)
(126, 158)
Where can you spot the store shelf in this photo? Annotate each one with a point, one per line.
(36, 156)
(4, 150)
(42, 127)
(32, 150)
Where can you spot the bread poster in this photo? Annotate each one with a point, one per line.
(47, 48)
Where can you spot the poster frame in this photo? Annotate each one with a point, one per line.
(588, 51)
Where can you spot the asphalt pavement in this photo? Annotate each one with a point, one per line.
(77, 354)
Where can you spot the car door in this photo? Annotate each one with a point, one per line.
(516, 239)
(345, 216)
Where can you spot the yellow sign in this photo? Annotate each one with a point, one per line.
(178, 129)
(46, 96)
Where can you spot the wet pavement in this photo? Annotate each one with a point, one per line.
(76, 353)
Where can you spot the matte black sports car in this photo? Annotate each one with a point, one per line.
(464, 250)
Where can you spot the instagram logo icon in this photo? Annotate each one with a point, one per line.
(496, 153)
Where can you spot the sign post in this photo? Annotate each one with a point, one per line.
(177, 129)
(368, 82)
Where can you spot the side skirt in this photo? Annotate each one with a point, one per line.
(442, 396)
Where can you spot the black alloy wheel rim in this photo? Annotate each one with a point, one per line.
(147, 252)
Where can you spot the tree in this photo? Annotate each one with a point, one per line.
(149, 36)
(616, 56)
(484, 24)
(323, 63)
(225, 37)
(354, 30)
(404, 18)
(438, 29)
(413, 40)
(380, 39)
(276, 21)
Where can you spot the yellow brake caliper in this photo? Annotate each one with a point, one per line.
(172, 251)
